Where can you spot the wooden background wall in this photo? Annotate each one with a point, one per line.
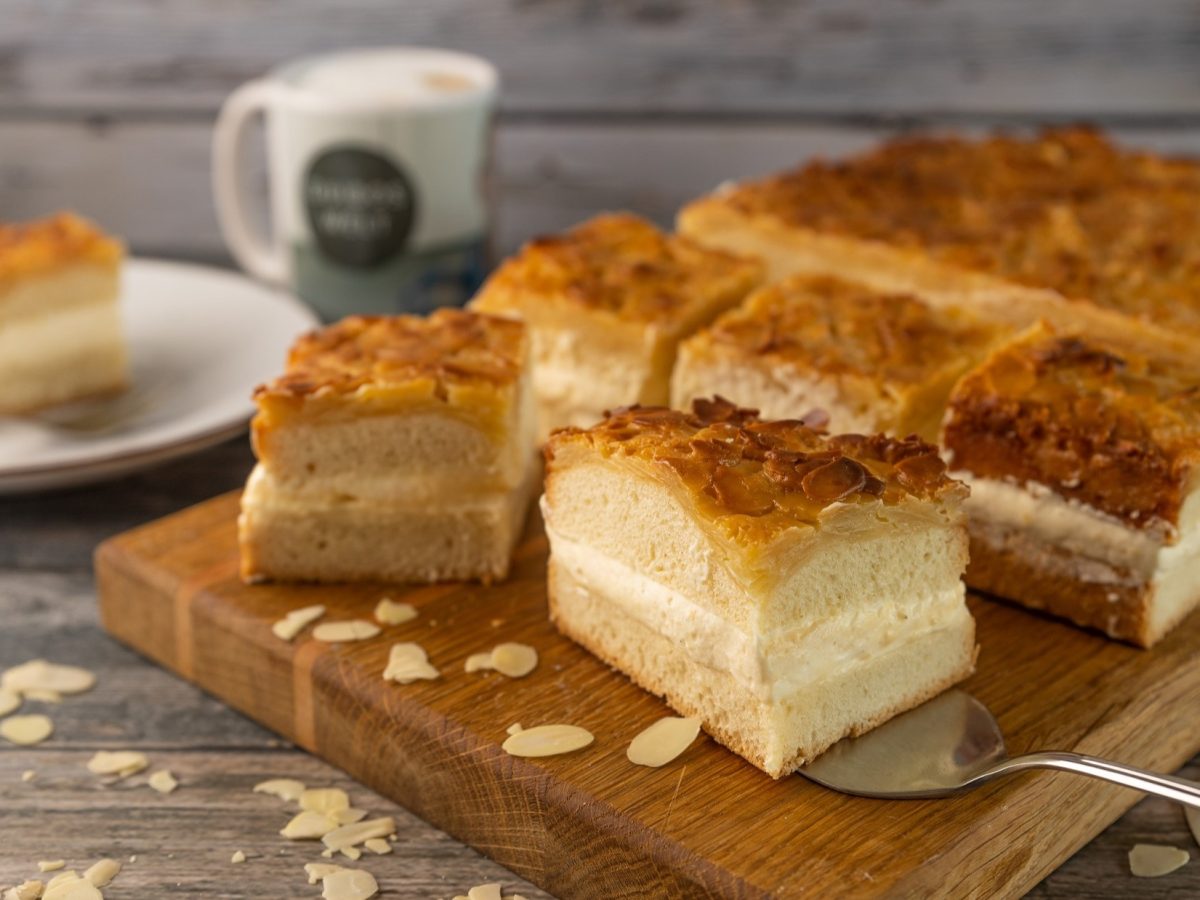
(106, 105)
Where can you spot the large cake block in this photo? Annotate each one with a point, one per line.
(786, 587)
(393, 448)
(1083, 458)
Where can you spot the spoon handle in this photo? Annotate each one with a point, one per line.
(1178, 789)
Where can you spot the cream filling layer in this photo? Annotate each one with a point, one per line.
(772, 666)
(37, 343)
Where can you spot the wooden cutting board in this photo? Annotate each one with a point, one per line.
(590, 824)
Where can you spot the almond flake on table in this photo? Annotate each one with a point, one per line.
(51, 865)
(318, 871)
(26, 730)
(377, 846)
(284, 788)
(389, 612)
(358, 832)
(163, 781)
(348, 815)
(408, 663)
(547, 740)
(121, 763)
(238, 857)
(102, 872)
(1154, 860)
(344, 632)
(308, 826)
(69, 886)
(349, 884)
(296, 621)
(28, 775)
(663, 741)
(40, 675)
(26, 890)
(324, 800)
(486, 892)
(9, 701)
(40, 695)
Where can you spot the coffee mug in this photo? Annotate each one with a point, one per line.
(378, 169)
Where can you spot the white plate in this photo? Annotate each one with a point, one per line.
(200, 340)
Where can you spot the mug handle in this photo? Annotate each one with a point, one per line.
(257, 253)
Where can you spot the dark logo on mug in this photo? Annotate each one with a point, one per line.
(360, 206)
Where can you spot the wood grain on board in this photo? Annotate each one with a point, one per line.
(590, 823)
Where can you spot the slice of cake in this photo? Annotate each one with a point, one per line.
(785, 587)
(1060, 226)
(393, 449)
(1083, 458)
(607, 303)
(873, 361)
(60, 321)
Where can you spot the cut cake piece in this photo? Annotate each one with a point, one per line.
(1061, 226)
(786, 587)
(1083, 458)
(60, 318)
(873, 361)
(393, 449)
(607, 304)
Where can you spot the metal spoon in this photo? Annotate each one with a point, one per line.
(952, 744)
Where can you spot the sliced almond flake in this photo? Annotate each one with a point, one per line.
(484, 892)
(663, 741)
(478, 662)
(26, 730)
(351, 852)
(163, 781)
(296, 621)
(1193, 821)
(328, 854)
(547, 740)
(377, 845)
(351, 835)
(514, 660)
(102, 872)
(389, 612)
(343, 632)
(39, 675)
(514, 728)
(324, 800)
(408, 663)
(348, 815)
(28, 775)
(349, 884)
(26, 890)
(1154, 860)
(121, 763)
(43, 696)
(308, 826)
(9, 701)
(238, 857)
(51, 865)
(76, 889)
(62, 878)
(283, 788)
(318, 871)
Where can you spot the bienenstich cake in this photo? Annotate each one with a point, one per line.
(1083, 458)
(60, 321)
(394, 449)
(1059, 226)
(786, 587)
(607, 304)
(873, 361)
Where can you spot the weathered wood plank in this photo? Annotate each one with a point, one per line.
(828, 57)
(149, 179)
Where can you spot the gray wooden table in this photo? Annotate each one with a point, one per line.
(183, 841)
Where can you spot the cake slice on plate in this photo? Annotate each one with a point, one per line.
(873, 361)
(393, 449)
(1083, 457)
(607, 303)
(60, 320)
(786, 587)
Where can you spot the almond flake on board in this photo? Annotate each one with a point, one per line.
(121, 763)
(663, 741)
(296, 621)
(1153, 860)
(378, 846)
(352, 835)
(344, 632)
(102, 872)
(389, 612)
(514, 660)
(408, 663)
(163, 781)
(478, 662)
(349, 884)
(1192, 815)
(514, 728)
(40, 675)
(9, 701)
(283, 788)
(318, 871)
(547, 740)
(26, 730)
(308, 826)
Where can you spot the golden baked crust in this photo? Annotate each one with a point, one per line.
(377, 364)
(621, 267)
(835, 327)
(1114, 426)
(763, 477)
(33, 248)
(1065, 211)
